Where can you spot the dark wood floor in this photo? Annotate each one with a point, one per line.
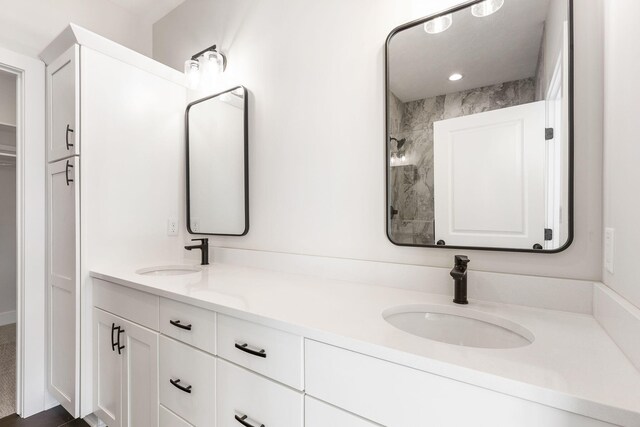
(54, 417)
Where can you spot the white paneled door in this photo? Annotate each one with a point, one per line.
(108, 368)
(63, 93)
(125, 380)
(489, 178)
(63, 294)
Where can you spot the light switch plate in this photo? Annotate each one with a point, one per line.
(172, 227)
(609, 235)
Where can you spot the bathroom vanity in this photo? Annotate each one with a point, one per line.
(228, 345)
(221, 346)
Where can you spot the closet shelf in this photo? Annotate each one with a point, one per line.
(7, 127)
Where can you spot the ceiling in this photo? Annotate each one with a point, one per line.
(498, 48)
(149, 10)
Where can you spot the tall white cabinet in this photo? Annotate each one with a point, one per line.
(63, 229)
(110, 111)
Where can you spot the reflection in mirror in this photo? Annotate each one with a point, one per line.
(217, 161)
(479, 145)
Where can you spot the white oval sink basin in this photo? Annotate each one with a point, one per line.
(460, 326)
(169, 270)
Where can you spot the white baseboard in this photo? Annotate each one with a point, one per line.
(620, 319)
(7, 318)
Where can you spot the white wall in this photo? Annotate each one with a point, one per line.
(27, 26)
(133, 154)
(621, 148)
(314, 70)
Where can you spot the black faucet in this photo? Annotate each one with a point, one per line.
(459, 274)
(204, 247)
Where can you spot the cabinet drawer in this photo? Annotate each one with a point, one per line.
(245, 397)
(139, 307)
(187, 323)
(398, 396)
(169, 419)
(320, 414)
(193, 396)
(270, 352)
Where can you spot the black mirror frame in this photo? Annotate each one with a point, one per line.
(570, 182)
(246, 161)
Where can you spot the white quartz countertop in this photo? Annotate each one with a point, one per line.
(571, 365)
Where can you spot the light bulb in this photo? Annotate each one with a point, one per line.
(439, 24)
(393, 159)
(486, 8)
(210, 68)
(192, 73)
(455, 77)
(403, 158)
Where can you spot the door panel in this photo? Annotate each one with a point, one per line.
(140, 398)
(489, 178)
(108, 369)
(63, 77)
(62, 282)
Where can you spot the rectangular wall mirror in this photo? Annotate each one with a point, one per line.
(480, 127)
(217, 164)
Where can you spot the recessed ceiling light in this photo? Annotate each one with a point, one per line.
(439, 24)
(486, 8)
(455, 77)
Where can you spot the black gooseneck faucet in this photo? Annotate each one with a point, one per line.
(204, 248)
(459, 274)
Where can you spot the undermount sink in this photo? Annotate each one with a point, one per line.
(459, 326)
(169, 270)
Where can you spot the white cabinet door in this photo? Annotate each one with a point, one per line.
(320, 414)
(108, 368)
(125, 380)
(63, 105)
(140, 400)
(63, 295)
(489, 178)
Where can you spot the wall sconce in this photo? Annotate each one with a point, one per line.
(398, 151)
(202, 70)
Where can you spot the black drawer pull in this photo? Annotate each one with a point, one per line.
(245, 347)
(69, 145)
(120, 347)
(114, 343)
(177, 324)
(66, 172)
(176, 384)
(241, 420)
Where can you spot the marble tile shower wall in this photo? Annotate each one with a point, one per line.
(411, 180)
